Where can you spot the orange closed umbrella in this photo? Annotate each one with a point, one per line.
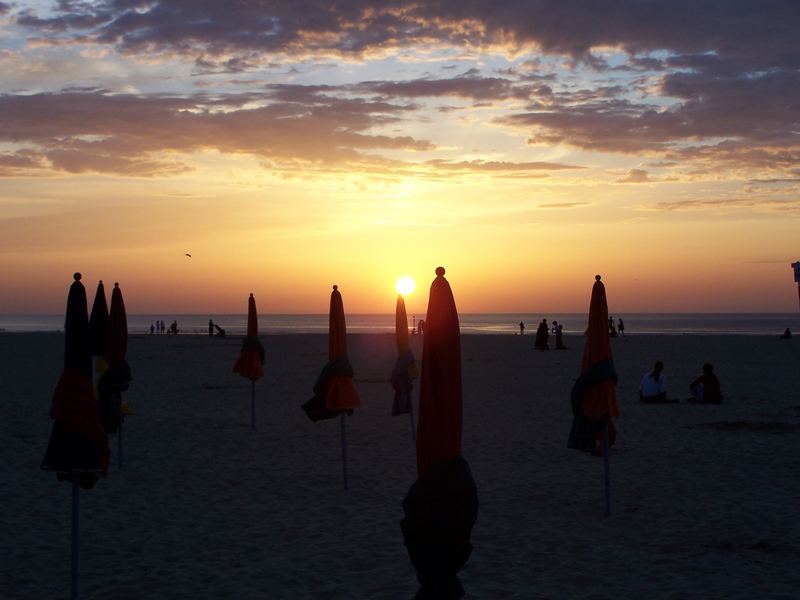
(334, 392)
(118, 375)
(251, 357)
(78, 447)
(593, 397)
(405, 369)
(441, 507)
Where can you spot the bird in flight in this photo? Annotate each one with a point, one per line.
(187, 254)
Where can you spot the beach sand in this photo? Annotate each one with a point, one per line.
(705, 498)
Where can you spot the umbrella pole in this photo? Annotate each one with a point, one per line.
(252, 405)
(606, 468)
(411, 416)
(75, 531)
(344, 451)
(119, 433)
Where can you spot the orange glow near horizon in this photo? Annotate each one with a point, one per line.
(521, 168)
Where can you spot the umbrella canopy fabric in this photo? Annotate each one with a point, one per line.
(334, 391)
(441, 507)
(440, 396)
(405, 369)
(593, 396)
(77, 341)
(341, 393)
(251, 357)
(118, 376)
(117, 328)
(78, 441)
(98, 322)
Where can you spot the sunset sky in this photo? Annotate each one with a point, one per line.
(288, 146)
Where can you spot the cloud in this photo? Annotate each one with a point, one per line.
(736, 28)
(129, 134)
(635, 176)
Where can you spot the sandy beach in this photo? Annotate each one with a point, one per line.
(704, 497)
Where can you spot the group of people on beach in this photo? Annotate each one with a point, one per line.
(160, 328)
(542, 339)
(704, 389)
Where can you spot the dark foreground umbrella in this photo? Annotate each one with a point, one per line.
(441, 507)
(405, 369)
(334, 392)
(98, 323)
(251, 357)
(78, 447)
(118, 376)
(593, 396)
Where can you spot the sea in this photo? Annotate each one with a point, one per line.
(481, 324)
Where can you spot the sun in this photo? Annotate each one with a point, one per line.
(405, 285)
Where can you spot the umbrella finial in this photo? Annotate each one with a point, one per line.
(76, 276)
(251, 294)
(335, 287)
(597, 277)
(440, 271)
(101, 281)
(116, 284)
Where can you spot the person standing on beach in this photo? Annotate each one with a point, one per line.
(621, 326)
(210, 328)
(152, 328)
(612, 328)
(653, 388)
(521, 328)
(542, 334)
(559, 336)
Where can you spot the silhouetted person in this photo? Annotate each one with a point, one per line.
(421, 327)
(559, 336)
(152, 329)
(542, 334)
(706, 389)
(653, 388)
(210, 328)
(163, 327)
(787, 335)
(521, 328)
(620, 327)
(174, 327)
(612, 328)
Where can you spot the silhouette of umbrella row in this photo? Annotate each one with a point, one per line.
(441, 506)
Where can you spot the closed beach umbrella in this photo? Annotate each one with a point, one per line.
(98, 322)
(334, 392)
(251, 357)
(405, 369)
(441, 506)
(593, 396)
(118, 376)
(78, 447)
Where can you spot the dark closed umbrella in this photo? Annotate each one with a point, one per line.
(441, 507)
(593, 398)
(78, 441)
(118, 376)
(405, 368)
(98, 322)
(251, 357)
(334, 392)
(78, 447)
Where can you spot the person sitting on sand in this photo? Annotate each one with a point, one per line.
(653, 388)
(787, 335)
(705, 388)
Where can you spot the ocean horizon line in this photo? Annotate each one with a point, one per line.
(471, 323)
